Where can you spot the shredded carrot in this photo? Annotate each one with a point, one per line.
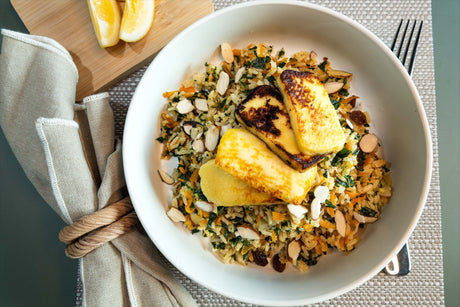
(330, 211)
(342, 243)
(348, 145)
(307, 227)
(189, 209)
(168, 94)
(218, 221)
(278, 216)
(259, 49)
(188, 197)
(168, 119)
(368, 160)
(318, 249)
(251, 257)
(333, 198)
(188, 222)
(273, 236)
(326, 224)
(203, 223)
(227, 69)
(351, 194)
(194, 178)
(258, 220)
(355, 201)
(322, 244)
(237, 52)
(189, 89)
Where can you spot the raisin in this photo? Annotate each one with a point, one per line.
(260, 258)
(358, 117)
(277, 265)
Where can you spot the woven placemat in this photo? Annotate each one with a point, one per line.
(423, 286)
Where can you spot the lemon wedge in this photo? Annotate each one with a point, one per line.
(137, 19)
(106, 16)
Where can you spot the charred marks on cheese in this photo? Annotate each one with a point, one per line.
(264, 114)
(262, 118)
(299, 94)
(299, 159)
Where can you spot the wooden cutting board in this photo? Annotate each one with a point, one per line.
(69, 23)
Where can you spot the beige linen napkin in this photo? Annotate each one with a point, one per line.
(39, 117)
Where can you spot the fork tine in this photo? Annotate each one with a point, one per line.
(402, 39)
(395, 39)
(414, 49)
(403, 59)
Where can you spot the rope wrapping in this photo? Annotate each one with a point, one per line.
(91, 231)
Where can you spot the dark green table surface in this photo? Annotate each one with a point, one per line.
(35, 272)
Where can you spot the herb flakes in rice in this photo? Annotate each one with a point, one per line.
(202, 109)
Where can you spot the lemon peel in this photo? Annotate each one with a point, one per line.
(106, 18)
(137, 19)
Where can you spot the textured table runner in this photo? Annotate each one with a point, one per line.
(423, 286)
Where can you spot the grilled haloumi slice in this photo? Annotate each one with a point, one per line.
(223, 189)
(243, 155)
(263, 113)
(313, 118)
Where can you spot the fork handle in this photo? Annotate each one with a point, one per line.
(400, 264)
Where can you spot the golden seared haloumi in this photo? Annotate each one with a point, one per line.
(264, 114)
(245, 156)
(313, 118)
(223, 189)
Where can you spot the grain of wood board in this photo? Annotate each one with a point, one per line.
(69, 23)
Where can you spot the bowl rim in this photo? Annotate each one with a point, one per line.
(421, 112)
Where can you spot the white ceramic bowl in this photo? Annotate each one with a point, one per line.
(384, 88)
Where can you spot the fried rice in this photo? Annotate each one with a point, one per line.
(359, 182)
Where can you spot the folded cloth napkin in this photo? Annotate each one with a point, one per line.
(49, 133)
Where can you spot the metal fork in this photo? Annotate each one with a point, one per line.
(400, 263)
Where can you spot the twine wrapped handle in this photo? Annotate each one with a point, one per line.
(91, 231)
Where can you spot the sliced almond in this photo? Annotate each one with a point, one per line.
(165, 177)
(321, 193)
(184, 106)
(368, 142)
(315, 208)
(340, 223)
(196, 219)
(222, 83)
(227, 52)
(175, 215)
(239, 74)
(201, 104)
(338, 73)
(198, 146)
(294, 250)
(204, 206)
(224, 219)
(211, 138)
(247, 232)
(188, 125)
(349, 124)
(298, 211)
(224, 129)
(364, 219)
(333, 87)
